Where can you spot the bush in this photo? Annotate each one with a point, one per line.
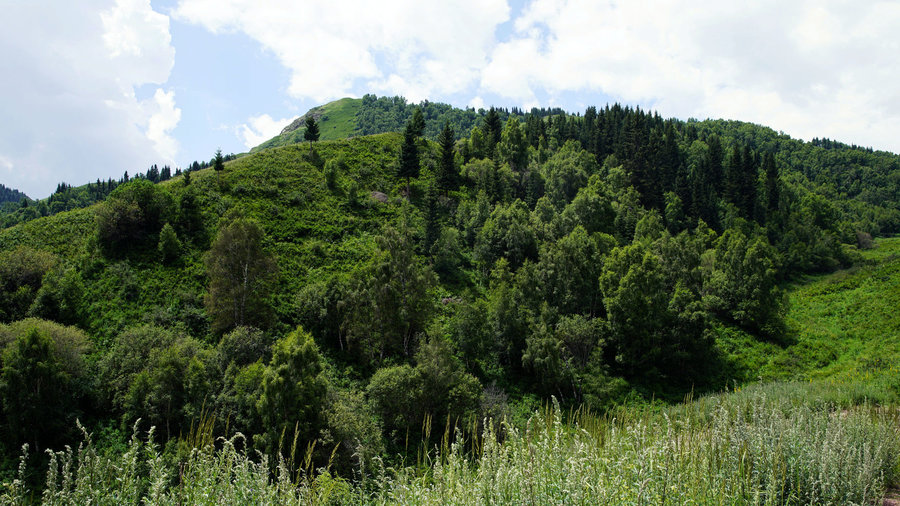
(133, 214)
(169, 246)
(22, 271)
(41, 385)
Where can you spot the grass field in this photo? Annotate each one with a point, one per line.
(784, 443)
(842, 326)
(337, 120)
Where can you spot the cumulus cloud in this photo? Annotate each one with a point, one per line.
(260, 129)
(810, 68)
(418, 49)
(163, 118)
(73, 70)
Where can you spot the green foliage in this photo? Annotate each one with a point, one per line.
(293, 391)
(169, 246)
(354, 429)
(129, 354)
(171, 390)
(655, 329)
(390, 301)
(779, 443)
(132, 216)
(660, 270)
(747, 448)
(739, 283)
(447, 253)
(512, 148)
(447, 176)
(42, 381)
(311, 134)
(409, 155)
(336, 120)
(568, 271)
(836, 327)
(566, 172)
(496, 181)
(218, 161)
(506, 234)
(417, 122)
(61, 297)
(22, 271)
(437, 388)
(241, 274)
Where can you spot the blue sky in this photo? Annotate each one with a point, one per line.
(97, 87)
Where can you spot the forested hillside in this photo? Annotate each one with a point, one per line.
(355, 292)
(10, 195)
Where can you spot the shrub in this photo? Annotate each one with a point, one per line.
(169, 246)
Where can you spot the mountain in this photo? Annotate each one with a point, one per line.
(10, 195)
(370, 114)
(596, 259)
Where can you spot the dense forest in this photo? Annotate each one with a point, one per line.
(468, 265)
(10, 195)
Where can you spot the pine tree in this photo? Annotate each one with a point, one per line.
(732, 187)
(716, 158)
(749, 175)
(219, 165)
(772, 178)
(312, 130)
(418, 122)
(447, 174)
(492, 129)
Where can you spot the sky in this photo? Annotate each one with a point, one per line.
(93, 88)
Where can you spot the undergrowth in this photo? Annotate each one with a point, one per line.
(781, 443)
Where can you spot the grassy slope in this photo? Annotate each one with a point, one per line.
(842, 325)
(310, 228)
(337, 120)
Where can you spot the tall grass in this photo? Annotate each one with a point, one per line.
(743, 448)
(785, 443)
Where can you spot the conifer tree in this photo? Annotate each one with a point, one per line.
(312, 130)
(772, 176)
(732, 187)
(418, 122)
(492, 129)
(218, 166)
(748, 179)
(447, 173)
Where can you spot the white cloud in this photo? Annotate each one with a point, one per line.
(260, 129)
(73, 70)
(810, 68)
(162, 120)
(418, 49)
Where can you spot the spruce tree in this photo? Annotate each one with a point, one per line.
(749, 175)
(732, 189)
(772, 177)
(312, 130)
(418, 122)
(447, 174)
(492, 129)
(218, 166)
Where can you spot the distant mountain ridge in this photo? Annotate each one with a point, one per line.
(10, 194)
